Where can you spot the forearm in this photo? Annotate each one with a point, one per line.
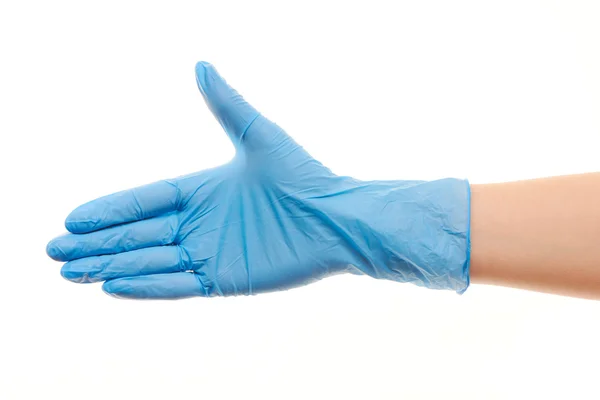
(541, 234)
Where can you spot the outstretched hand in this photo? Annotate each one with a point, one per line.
(271, 219)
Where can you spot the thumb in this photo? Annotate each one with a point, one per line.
(231, 110)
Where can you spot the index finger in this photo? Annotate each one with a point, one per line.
(127, 206)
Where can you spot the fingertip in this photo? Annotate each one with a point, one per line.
(50, 250)
(76, 222)
(71, 225)
(122, 288)
(203, 64)
(73, 271)
(66, 273)
(55, 252)
(202, 69)
(111, 288)
(231, 110)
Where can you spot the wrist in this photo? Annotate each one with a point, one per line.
(427, 233)
(406, 231)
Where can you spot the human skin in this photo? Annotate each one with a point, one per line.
(540, 234)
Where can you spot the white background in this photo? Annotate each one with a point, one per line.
(96, 97)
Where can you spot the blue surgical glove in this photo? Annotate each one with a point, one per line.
(273, 218)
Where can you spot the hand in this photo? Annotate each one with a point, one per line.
(272, 219)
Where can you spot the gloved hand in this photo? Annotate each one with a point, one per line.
(271, 219)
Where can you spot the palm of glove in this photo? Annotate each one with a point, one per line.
(253, 225)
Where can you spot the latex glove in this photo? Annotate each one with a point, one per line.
(271, 219)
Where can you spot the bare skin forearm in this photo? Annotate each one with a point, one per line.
(541, 234)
